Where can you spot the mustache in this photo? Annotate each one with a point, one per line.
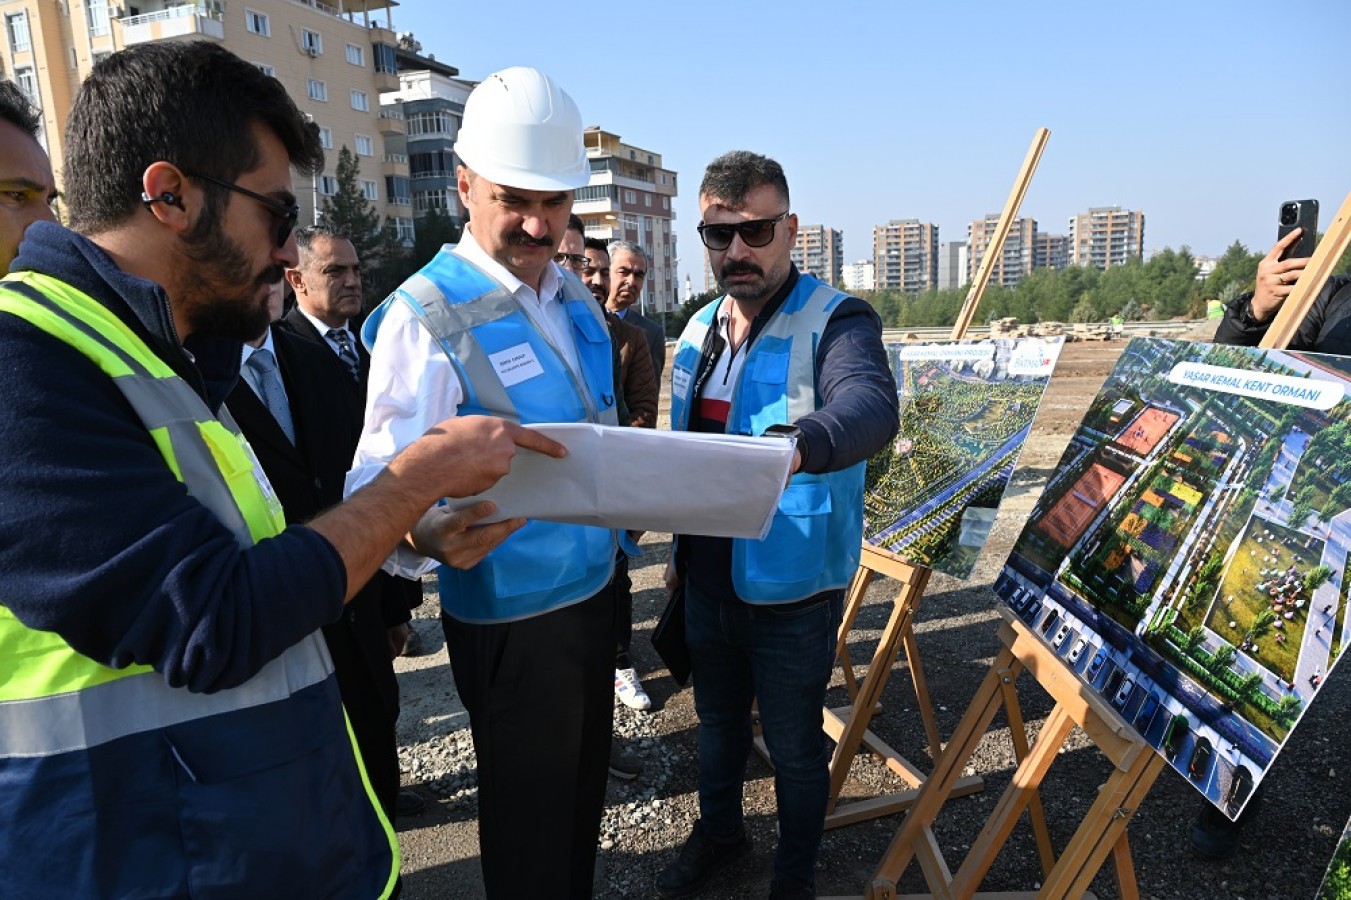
(741, 267)
(521, 239)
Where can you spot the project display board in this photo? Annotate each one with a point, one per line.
(1188, 557)
(1337, 882)
(966, 408)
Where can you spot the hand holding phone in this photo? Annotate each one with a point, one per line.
(1301, 214)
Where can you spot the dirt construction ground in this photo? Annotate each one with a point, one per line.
(1284, 850)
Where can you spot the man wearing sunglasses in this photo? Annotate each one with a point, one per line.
(781, 353)
(494, 325)
(170, 724)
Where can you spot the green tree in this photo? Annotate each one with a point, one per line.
(681, 317)
(1316, 578)
(1223, 658)
(1234, 273)
(1194, 638)
(434, 230)
(384, 259)
(1287, 711)
(1248, 688)
(1262, 623)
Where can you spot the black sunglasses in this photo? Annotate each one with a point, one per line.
(754, 233)
(571, 260)
(287, 213)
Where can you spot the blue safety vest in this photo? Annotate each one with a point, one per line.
(815, 540)
(113, 783)
(485, 333)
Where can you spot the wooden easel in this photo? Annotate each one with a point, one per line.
(1136, 765)
(848, 725)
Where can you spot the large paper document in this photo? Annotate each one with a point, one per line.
(642, 480)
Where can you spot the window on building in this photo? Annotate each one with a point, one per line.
(17, 26)
(355, 55)
(365, 146)
(257, 23)
(647, 199)
(317, 90)
(98, 17)
(266, 69)
(326, 138)
(74, 59)
(328, 185)
(665, 202)
(430, 123)
(396, 189)
(630, 197)
(27, 81)
(359, 101)
(386, 60)
(311, 41)
(404, 229)
(437, 199)
(370, 190)
(429, 165)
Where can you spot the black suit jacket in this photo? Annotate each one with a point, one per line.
(308, 478)
(296, 323)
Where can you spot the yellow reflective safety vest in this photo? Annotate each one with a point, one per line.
(113, 783)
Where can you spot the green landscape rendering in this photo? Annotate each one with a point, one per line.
(1188, 557)
(966, 409)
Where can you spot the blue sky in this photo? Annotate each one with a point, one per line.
(1206, 115)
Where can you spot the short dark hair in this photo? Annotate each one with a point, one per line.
(733, 175)
(576, 224)
(16, 109)
(189, 103)
(306, 234)
(593, 243)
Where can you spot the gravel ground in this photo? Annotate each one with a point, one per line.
(1283, 853)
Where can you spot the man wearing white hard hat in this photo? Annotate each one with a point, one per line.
(493, 326)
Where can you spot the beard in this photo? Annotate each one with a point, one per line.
(746, 291)
(223, 298)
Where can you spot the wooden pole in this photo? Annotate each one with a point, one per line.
(994, 251)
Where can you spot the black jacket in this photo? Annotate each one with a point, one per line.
(1326, 328)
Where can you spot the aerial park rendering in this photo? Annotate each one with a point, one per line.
(966, 410)
(1187, 560)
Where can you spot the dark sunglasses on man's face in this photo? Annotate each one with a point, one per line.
(754, 232)
(286, 213)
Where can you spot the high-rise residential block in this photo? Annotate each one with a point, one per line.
(905, 256)
(820, 251)
(858, 276)
(1106, 236)
(1050, 251)
(952, 265)
(336, 64)
(430, 107)
(630, 197)
(1014, 262)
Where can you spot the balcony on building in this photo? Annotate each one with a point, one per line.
(392, 123)
(161, 21)
(394, 164)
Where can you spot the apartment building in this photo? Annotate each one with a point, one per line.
(430, 103)
(1106, 236)
(1014, 262)
(336, 61)
(858, 276)
(1050, 251)
(952, 265)
(819, 250)
(629, 197)
(905, 256)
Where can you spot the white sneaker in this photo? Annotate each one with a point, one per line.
(630, 690)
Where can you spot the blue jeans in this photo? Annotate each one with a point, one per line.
(781, 656)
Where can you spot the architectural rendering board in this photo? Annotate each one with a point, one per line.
(966, 408)
(1187, 559)
(1337, 882)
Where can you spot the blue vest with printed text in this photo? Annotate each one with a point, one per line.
(815, 540)
(509, 368)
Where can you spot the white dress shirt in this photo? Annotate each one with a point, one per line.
(412, 384)
(247, 373)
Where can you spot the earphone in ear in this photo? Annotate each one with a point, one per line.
(168, 198)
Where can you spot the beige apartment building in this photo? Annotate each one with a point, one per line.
(335, 60)
(1014, 262)
(629, 197)
(905, 256)
(819, 250)
(1106, 236)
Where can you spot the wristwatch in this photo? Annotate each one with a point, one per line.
(794, 434)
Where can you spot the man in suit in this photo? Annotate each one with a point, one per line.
(303, 429)
(327, 285)
(628, 272)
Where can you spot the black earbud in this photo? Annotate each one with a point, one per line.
(168, 198)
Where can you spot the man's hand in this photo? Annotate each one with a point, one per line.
(397, 635)
(467, 455)
(1276, 277)
(451, 537)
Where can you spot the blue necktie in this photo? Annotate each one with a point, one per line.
(346, 352)
(267, 379)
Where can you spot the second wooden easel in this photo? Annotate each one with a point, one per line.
(848, 725)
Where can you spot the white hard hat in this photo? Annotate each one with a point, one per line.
(521, 130)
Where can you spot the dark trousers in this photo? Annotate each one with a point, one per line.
(539, 693)
(780, 656)
(623, 586)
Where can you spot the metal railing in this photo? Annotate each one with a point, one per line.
(176, 12)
